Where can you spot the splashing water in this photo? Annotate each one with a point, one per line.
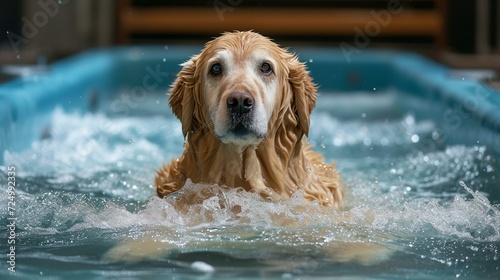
(87, 191)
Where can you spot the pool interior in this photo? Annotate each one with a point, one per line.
(86, 187)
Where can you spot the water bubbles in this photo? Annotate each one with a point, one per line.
(311, 60)
(363, 115)
(415, 138)
(374, 89)
(119, 164)
(473, 248)
(435, 135)
(489, 168)
(166, 47)
(164, 60)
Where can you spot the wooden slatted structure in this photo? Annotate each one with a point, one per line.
(322, 17)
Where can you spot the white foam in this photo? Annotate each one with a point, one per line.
(203, 267)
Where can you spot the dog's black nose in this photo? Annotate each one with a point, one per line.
(240, 102)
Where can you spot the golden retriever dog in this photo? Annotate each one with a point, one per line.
(244, 104)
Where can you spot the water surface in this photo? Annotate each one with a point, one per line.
(413, 210)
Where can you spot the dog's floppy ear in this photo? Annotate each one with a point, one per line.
(182, 95)
(303, 91)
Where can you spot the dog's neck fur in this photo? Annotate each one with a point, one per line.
(280, 163)
(262, 167)
(257, 168)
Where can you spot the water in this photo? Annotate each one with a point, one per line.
(87, 188)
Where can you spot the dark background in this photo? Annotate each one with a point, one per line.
(467, 38)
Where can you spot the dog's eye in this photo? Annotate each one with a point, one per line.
(216, 69)
(266, 68)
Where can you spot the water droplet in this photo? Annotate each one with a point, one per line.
(337, 142)
(374, 88)
(311, 60)
(164, 60)
(367, 141)
(202, 267)
(119, 164)
(415, 138)
(166, 47)
(409, 120)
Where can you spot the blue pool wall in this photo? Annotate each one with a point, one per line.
(466, 107)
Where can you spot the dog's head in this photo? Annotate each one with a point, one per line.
(240, 87)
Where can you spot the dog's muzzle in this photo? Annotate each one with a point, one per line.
(240, 107)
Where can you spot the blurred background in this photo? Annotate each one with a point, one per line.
(459, 33)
